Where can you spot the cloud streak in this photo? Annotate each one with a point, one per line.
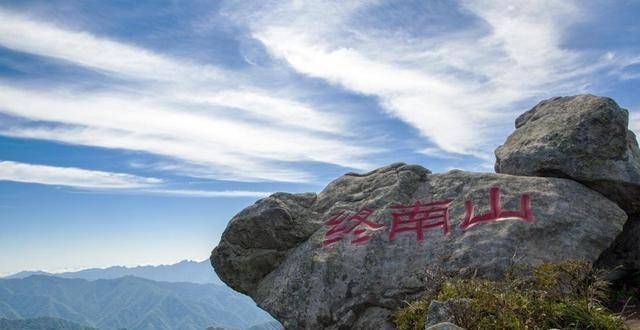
(231, 148)
(72, 177)
(209, 193)
(31, 36)
(107, 181)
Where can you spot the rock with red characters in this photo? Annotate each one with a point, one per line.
(350, 255)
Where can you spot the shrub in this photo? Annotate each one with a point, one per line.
(566, 295)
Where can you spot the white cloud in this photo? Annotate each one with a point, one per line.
(209, 193)
(99, 180)
(460, 89)
(272, 109)
(437, 153)
(194, 114)
(231, 148)
(457, 88)
(27, 35)
(72, 177)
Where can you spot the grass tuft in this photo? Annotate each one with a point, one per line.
(566, 295)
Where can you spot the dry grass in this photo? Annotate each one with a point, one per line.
(567, 295)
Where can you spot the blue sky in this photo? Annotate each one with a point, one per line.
(131, 132)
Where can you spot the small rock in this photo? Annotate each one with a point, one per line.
(443, 311)
(444, 326)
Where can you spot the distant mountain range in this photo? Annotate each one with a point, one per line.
(185, 295)
(130, 302)
(41, 323)
(184, 271)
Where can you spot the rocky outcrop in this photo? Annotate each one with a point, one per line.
(280, 250)
(258, 238)
(584, 138)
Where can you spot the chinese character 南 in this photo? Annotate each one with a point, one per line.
(496, 213)
(420, 217)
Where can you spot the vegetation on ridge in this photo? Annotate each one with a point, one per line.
(562, 295)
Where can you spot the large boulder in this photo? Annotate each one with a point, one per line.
(584, 138)
(339, 260)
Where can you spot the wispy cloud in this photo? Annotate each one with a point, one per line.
(274, 110)
(107, 181)
(458, 86)
(231, 148)
(221, 130)
(437, 153)
(208, 193)
(28, 35)
(72, 177)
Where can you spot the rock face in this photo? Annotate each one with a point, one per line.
(582, 137)
(280, 251)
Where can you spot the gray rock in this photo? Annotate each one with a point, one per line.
(582, 137)
(273, 251)
(258, 238)
(443, 311)
(444, 326)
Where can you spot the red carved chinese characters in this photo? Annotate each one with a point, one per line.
(343, 224)
(496, 213)
(418, 217)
